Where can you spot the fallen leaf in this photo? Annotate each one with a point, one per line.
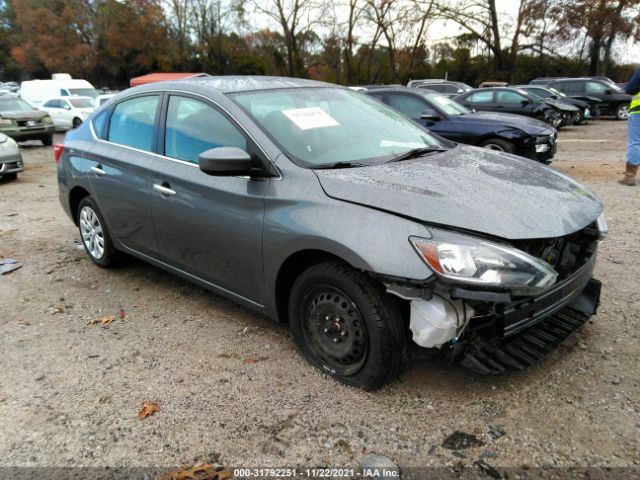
(250, 360)
(102, 320)
(204, 471)
(148, 408)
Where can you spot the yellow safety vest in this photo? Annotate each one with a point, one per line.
(634, 106)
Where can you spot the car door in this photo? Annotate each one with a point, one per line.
(54, 109)
(480, 100)
(120, 165)
(512, 102)
(66, 113)
(207, 226)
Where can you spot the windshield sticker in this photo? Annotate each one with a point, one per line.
(308, 118)
(391, 143)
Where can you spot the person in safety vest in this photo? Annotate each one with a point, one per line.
(633, 129)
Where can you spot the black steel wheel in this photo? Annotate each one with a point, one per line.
(347, 326)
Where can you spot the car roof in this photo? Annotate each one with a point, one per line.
(68, 97)
(235, 83)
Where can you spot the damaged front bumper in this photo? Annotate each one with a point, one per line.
(495, 333)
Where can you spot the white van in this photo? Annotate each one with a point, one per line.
(35, 92)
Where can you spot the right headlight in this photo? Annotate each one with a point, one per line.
(6, 121)
(478, 262)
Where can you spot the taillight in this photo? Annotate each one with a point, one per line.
(57, 151)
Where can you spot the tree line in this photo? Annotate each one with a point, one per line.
(343, 41)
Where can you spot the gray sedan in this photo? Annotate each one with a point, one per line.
(322, 208)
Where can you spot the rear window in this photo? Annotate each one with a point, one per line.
(132, 122)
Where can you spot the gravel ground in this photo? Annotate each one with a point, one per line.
(232, 388)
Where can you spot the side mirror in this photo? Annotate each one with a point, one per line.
(526, 101)
(67, 107)
(430, 115)
(608, 91)
(225, 162)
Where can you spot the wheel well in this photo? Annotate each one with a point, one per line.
(290, 270)
(76, 194)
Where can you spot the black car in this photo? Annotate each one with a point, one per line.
(589, 106)
(513, 100)
(614, 100)
(498, 131)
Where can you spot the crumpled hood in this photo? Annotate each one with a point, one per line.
(526, 124)
(471, 188)
(24, 114)
(564, 107)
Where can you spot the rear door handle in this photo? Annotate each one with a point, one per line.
(163, 190)
(98, 170)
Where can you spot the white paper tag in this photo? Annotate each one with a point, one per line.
(308, 118)
(392, 143)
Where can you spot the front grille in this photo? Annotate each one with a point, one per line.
(565, 254)
(29, 123)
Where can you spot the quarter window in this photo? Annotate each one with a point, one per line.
(481, 97)
(132, 122)
(99, 122)
(194, 127)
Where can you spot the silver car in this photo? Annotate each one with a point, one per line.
(323, 208)
(10, 158)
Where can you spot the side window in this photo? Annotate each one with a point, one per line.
(485, 96)
(507, 96)
(99, 123)
(450, 88)
(412, 107)
(64, 92)
(194, 127)
(595, 87)
(52, 104)
(437, 88)
(132, 122)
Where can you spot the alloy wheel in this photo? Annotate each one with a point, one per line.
(623, 113)
(493, 146)
(92, 233)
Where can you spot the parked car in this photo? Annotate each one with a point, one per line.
(492, 83)
(102, 99)
(517, 134)
(588, 106)
(36, 92)
(68, 112)
(359, 231)
(20, 121)
(445, 87)
(510, 100)
(614, 101)
(10, 158)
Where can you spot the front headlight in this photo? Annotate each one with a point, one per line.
(48, 120)
(7, 121)
(475, 261)
(603, 227)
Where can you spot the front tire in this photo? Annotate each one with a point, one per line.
(47, 141)
(94, 233)
(76, 122)
(498, 144)
(347, 326)
(10, 176)
(622, 112)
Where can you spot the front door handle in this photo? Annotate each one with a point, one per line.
(164, 190)
(98, 170)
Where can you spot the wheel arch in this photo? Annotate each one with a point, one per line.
(293, 266)
(75, 197)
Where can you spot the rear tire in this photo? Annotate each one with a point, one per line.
(347, 326)
(94, 233)
(498, 144)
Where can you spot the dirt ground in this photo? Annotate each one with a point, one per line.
(232, 388)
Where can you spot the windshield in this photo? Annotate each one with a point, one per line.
(10, 104)
(319, 127)
(447, 105)
(81, 102)
(84, 92)
(464, 86)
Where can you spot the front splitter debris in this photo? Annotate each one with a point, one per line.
(524, 349)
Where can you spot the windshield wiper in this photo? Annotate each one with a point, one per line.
(415, 153)
(340, 165)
